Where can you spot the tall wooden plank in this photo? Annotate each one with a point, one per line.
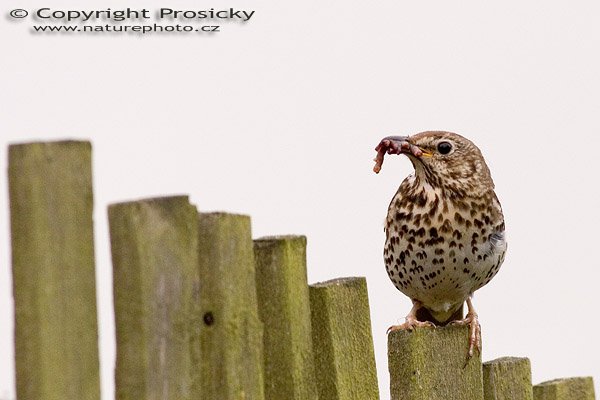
(284, 309)
(154, 246)
(56, 333)
(232, 347)
(342, 340)
(507, 378)
(429, 364)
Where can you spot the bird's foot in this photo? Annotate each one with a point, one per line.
(410, 324)
(474, 332)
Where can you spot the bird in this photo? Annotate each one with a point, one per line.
(445, 231)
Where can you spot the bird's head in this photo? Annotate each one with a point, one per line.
(442, 159)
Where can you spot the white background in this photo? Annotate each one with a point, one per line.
(277, 118)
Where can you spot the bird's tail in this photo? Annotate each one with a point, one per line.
(424, 314)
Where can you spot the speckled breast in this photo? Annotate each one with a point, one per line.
(439, 250)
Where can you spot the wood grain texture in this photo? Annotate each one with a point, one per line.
(56, 333)
(507, 378)
(342, 340)
(580, 388)
(284, 307)
(231, 331)
(429, 364)
(154, 246)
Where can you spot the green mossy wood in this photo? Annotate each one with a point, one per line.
(507, 378)
(154, 247)
(231, 332)
(429, 364)
(565, 389)
(284, 307)
(56, 333)
(342, 340)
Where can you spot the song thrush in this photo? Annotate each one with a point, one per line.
(444, 229)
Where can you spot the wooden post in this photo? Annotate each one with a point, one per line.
(284, 309)
(507, 378)
(154, 247)
(343, 345)
(231, 333)
(56, 333)
(565, 389)
(429, 364)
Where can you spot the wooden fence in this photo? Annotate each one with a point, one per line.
(204, 312)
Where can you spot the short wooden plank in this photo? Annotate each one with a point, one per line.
(507, 378)
(342, 340)
(231, 334)
(429, 364)
(154, 245)
(284, 309)
(56, 333)
(580, 388)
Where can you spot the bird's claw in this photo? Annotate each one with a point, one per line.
(410, 324)
(472, 321)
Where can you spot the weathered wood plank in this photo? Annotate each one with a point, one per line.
(56, 334)
(154, 247)
(580, 388)
(429, 364)
(284, 307)
(342, 340)
(231, 334)
(507, 378)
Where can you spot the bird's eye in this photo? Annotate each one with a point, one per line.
(444, 147)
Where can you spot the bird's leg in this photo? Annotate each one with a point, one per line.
(411, 320)
(474, 328)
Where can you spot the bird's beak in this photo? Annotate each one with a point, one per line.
(396, 145)
(402, 145)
